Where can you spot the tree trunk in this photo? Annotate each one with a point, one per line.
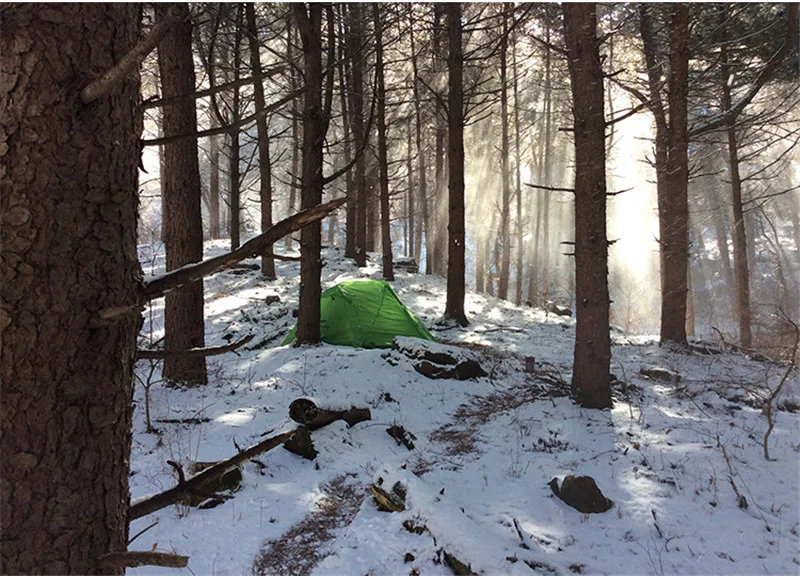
(421, 169)
(674, 217)
(68, 249)
(383, 162)
(590, 377)
(517, 167)
(264, 161)
(547, 172)
(234, 176)
(294, 180)
(356, 53)
(505, 218)
(671, 160)
(184, 321)
(740, 259)
(454, 307)
(410, 204)
(310, 25)
(438, 245)
(213, 185)
(344, 84)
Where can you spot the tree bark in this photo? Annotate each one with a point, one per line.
(350, 192)
(309, 23)
(67, 248)
(421, 169)
(740, 259)
(294, 180)
(264, 161)
(505, 218)
(454, 307)
(591, 372)
(518, 175)
(356, 53)
(410, 203)
(383, 162)
(184, 320)
(671, 160)
(234, 175)
(438, 241)
(546, 171)
(674, 217)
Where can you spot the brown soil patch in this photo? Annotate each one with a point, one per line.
(298, 550)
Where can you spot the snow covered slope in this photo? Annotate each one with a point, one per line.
(485, 450)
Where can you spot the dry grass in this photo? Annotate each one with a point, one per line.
(461, 437)
(298, 550)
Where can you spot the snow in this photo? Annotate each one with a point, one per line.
(485, 451)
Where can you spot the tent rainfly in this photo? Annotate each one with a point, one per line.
(366, 314)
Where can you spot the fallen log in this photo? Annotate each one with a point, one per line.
(203, 479)
(192, 352)
(306, 411)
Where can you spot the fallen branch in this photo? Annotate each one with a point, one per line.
(204, 478)
(132, 59)
(250, 249)
(305, 411)
(134, 559)
(192, 352)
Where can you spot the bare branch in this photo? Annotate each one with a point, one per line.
(550, 188)
(193, 352)
(210, 91)
(134, 559)
(132, 59)
(250, 249)
(224, 129)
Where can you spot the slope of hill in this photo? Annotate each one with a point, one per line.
(680, 454)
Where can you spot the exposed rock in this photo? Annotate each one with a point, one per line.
(582, 493)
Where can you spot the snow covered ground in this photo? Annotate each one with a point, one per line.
(485, 450)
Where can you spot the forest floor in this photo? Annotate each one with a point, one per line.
(669, 453)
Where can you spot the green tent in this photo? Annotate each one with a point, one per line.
(365, 313)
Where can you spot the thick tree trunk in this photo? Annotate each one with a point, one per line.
(505, 218)
(674, 216)
(264, 161)
(454, 307)
(591, 372)
(518, 182)
(437, 247)
(546, 166)
(294, 180)
(356, 53)
(68, 249)
(672, 171)
(410, 204)
(184, 320)
(234, 175)
(309, 23)
(344, 84)
(422, 177)
(383, 162)
(740, 257)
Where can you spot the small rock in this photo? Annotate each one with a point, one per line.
(582, 493)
